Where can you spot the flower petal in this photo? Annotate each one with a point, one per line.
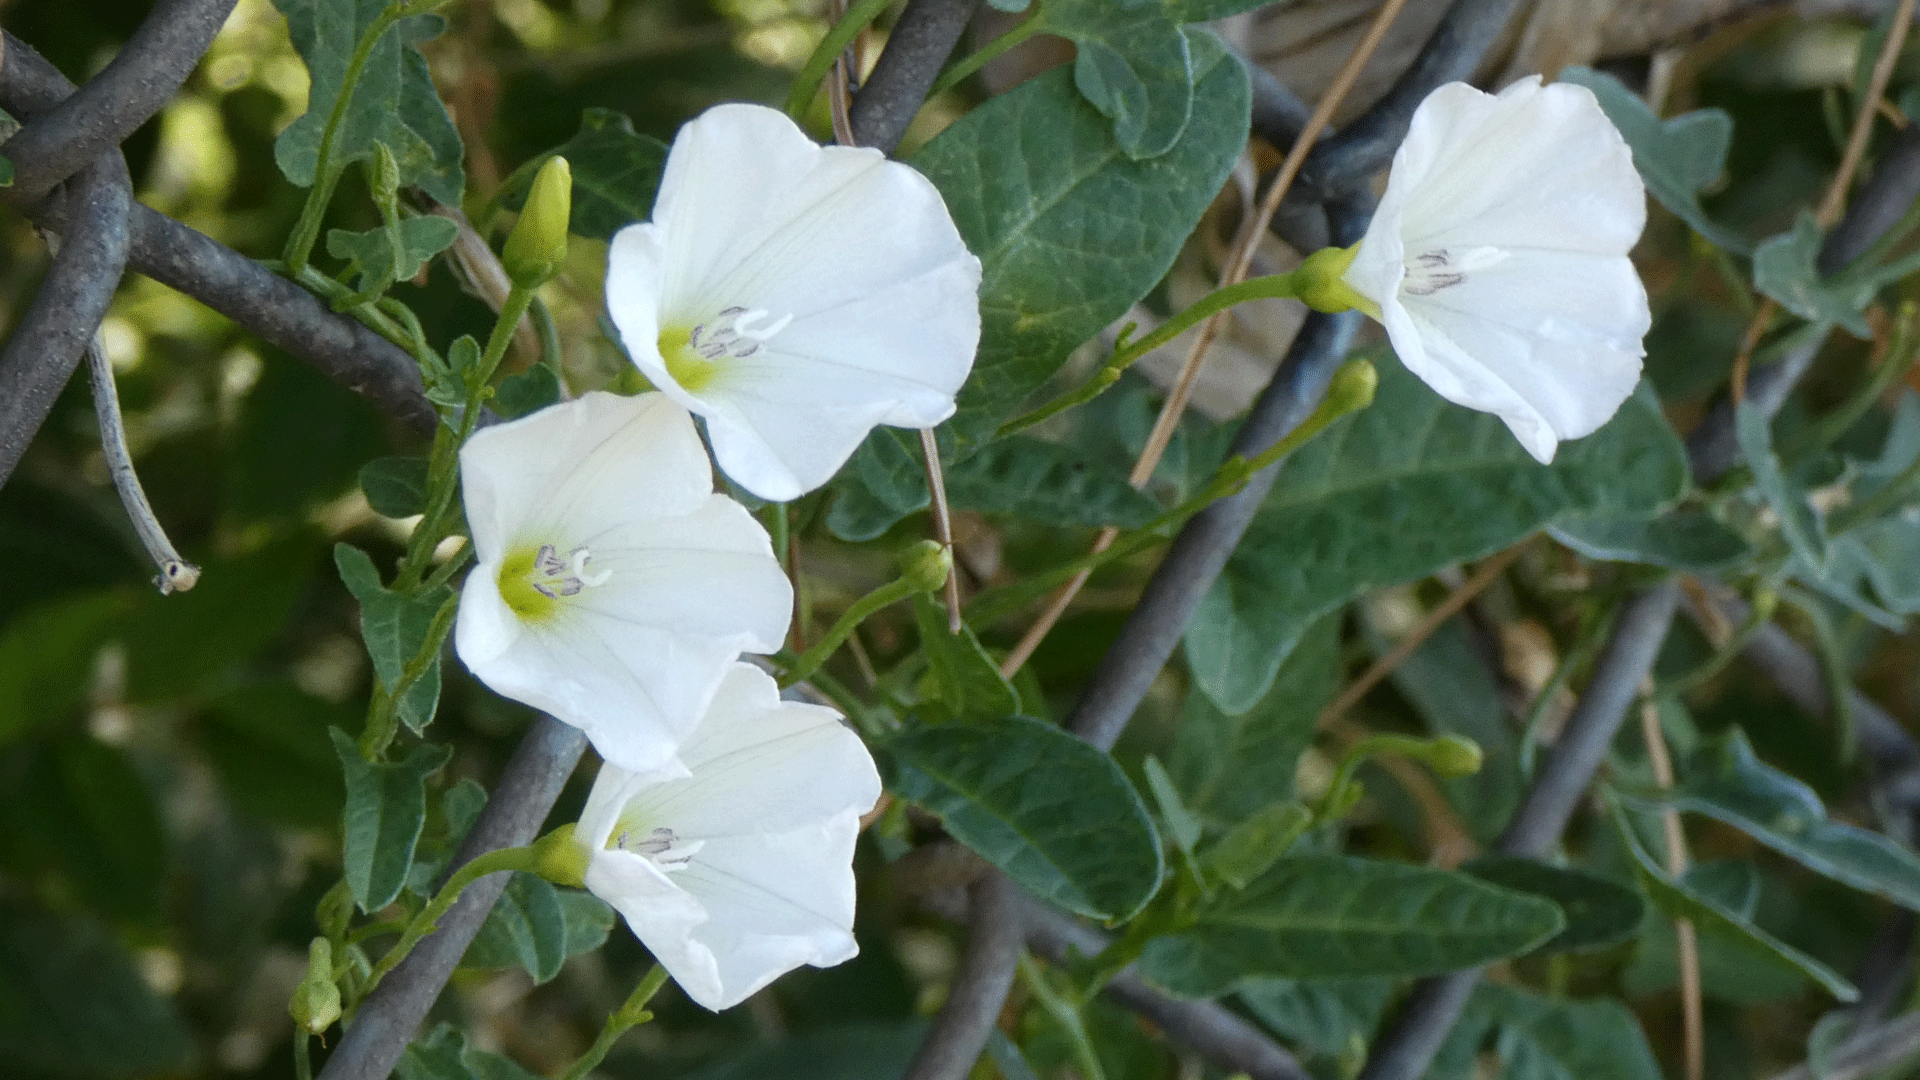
(663, 916)
(572, 470)
(757, 764)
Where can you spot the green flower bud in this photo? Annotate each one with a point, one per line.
(1454, 755)
(538, 243)
(386, 177)
(1320, 283)
(926, 565)
(316, 1001)
(1353, 386)
(561, 859)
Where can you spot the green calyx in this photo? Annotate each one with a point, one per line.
(1320, 283)
(559, 858)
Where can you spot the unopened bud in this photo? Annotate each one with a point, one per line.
(1454, 755)
(538, 243)
(926, 565)
(561, 859)
(386, 176)
(1353, 386)
(1320, 283)
(316, 1001)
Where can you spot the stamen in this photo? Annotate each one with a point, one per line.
(1431, 271)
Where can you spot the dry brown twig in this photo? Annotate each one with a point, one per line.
(1693, 1020)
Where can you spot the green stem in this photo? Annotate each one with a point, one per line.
(325, 173)
(807, 83)
(382, 715)
(1352, 389)
(1901, 353)
(493, 862)
(959, 72)
(549, 334)
(629, 1015)
(1759, 614)
(1125, 353)
(1066, 1013)
(808, 662)
(302, 1056)
(376, 320)
(1895, 493)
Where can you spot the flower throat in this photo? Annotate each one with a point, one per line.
(693, 356)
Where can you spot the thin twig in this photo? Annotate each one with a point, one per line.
(1692, 1019)
(942, 524)
(1484, 575)
(142, 77)
(176, 573)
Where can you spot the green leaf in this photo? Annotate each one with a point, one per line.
(1328, 1016)
(849, 1052)
(46, 655)
(1889, 551)
(1134, 66)
(1680, 901)
(1449, 685)
(1542, 1038)
(1726, 782)
(1053, 812)
(268, 741)
(421, 238)
(1230, 766)
(394, 102)
(616, 174)
(1677, 158)
(73, 1005)
(1395, 492)
(1599, 912)
(89, 817)
(1324, 916)
(1799, 521)
(1785, 267)
(527, 927)
(965, 680)
(1048, 484)
(589, 920)
(385, 811)
(1690, 540)
(395, 629)
(395, 487)
(1070, 231)
(529, 391)
(445, 1055)
(1181, 824)
(883, 483)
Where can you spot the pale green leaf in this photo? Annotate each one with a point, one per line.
(1690, 540)
(965, 680)
(1785, 267)
(385, 811)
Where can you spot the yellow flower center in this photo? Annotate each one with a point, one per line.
(694, 355)
(533, 580)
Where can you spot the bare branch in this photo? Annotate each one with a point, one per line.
(979, 990)
(60, 321)
(1404, 1050)
(138, 83)
(282, 313)
(916, 50)
(516, 808)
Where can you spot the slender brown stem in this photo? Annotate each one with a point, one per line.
(1487, 573)
(1693, 1021)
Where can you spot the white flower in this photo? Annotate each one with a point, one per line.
(795, 295)
(742, 870)
(614, 588)
(1498, 258)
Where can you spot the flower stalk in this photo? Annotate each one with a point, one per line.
(928, 566)
(492, 862)
(631, 1014)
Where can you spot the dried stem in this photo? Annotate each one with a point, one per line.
(920, 42)
(176, 574)
(1693, 1020)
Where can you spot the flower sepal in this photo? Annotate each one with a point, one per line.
(562, 858)
(1320, 283)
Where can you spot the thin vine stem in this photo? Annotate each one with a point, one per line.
(807, 84)
(630, 1014)
(974, 61)
(493, 862)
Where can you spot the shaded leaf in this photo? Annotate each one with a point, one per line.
(1046, 483)
(1677, 158)
(1691, 540)
(1785, 267)
(386, 809)
(1321, 916)
(1680, 901)
(1599, 912)
(882, 483)
(395, 628)
(373, 252)
(268, 741)
(1328, 1016)
(1540, 1038)
(1070, 231)
(850, 1052)
(393, 102)
(1053, 812)
(1405, 487)
(965, 680)
(445, 1055)
(527, 927)
(527, 392)
(1453, 691)
(616, 174)
(395, 487)
(46, 655)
